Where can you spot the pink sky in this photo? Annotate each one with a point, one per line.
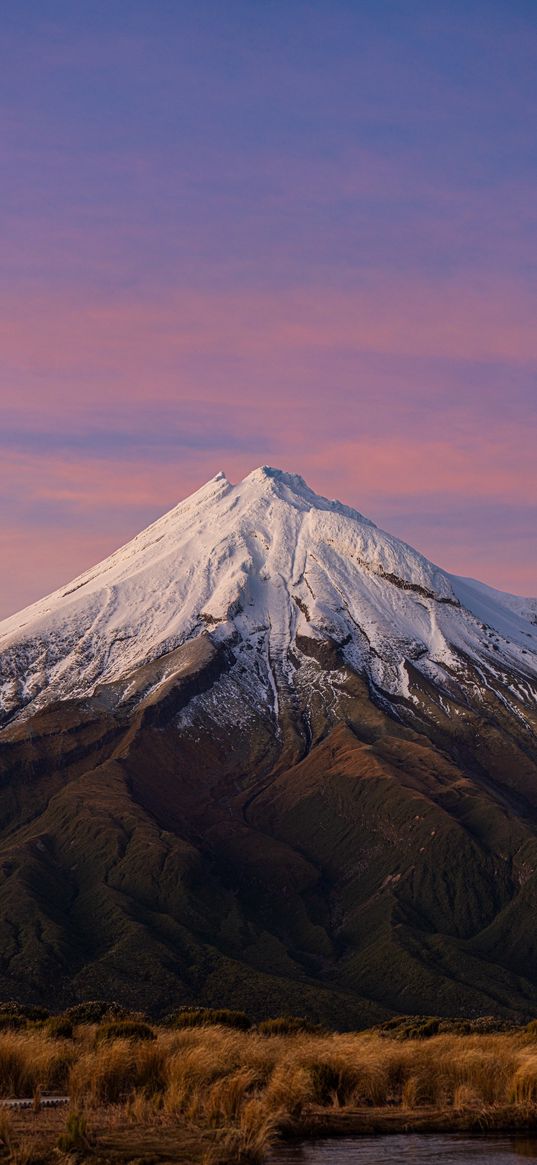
(237, 235)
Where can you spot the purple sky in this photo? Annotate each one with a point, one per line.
(299, 233)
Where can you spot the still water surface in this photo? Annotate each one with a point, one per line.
(409, 1149)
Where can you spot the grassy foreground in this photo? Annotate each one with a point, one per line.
(212, 1095)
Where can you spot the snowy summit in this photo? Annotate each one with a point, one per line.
(267, 567)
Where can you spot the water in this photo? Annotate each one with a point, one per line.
(409, 1149)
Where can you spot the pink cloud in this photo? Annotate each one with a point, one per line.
(371, 437)
(88, 484)
(501, 466)
(138, 348)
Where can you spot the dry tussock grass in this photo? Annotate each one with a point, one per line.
(31, 1060)
(209, 1075)
(523, 1083)
(249, 1139)
(239, 1088)
(110, 1072)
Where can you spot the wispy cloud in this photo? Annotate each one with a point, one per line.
(294, 234)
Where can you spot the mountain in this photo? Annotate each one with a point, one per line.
(268, 755)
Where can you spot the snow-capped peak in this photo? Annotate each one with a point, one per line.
(266, 563)
(291, 487)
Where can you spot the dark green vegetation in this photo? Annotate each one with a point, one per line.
(102, 1017)
(370, 859)
(124, 1029)
(288, 1025)
(200, 1016)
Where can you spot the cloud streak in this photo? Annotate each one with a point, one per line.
(236, 234)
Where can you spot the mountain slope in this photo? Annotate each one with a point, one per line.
(268, 754)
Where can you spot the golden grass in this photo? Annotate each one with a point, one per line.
(32, 1060)
(234, 1091)
(109, 1072)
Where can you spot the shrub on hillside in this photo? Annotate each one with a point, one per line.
(125, 1029)
(26, 1010)
(289, 1025)
(205, 1016)
(420, 1027)
(95, 1010)
(483, 1025)
(410, 1027)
